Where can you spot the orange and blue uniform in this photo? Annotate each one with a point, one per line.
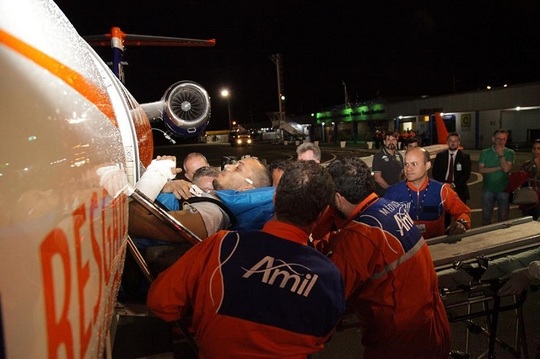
(390, 282)
(428, 204)
(253, 294)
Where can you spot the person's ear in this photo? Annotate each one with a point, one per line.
(339, 200)
(428, 165)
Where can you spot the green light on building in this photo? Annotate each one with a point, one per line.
(360, 113)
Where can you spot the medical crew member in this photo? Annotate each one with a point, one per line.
(428, 200)
(260, 294)
(390, 280)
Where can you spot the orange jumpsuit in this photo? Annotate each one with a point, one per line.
(390, 282)
(254, 294)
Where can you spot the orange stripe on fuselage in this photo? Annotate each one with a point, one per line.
(91, 92)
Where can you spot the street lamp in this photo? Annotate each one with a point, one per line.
(225, 93)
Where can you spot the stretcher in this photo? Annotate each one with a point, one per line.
(472, 267)
(493, 241)
(141, 203)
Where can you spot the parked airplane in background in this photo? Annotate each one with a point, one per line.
(184, 108)
(73, 140)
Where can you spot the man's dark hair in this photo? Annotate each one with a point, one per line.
(413, 140)
(205, 171)
(452, 134)
(501, 130)
(278, 164)
(391, 134)
(304, 191)
(352, 178)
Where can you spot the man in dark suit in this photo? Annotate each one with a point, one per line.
(458, 174)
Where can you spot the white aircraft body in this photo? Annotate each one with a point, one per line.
(72, 142)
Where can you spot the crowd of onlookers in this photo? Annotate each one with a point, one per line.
(404, 138)
(285, 245)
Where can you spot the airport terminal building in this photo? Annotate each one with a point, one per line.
(475, 115)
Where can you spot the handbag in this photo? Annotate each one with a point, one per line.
(525, 195)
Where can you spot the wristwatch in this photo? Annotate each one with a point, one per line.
(463, 222)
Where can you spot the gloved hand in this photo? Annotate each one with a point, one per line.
(456, 228)
(519, 280)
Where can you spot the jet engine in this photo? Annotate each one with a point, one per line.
(184, 108)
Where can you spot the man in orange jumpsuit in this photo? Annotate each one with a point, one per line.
(390, 280)
(260, 294)
(428, 200)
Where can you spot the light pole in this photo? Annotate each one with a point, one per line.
(225, 93)
(278, 61)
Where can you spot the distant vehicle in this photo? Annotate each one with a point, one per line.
(237, 138)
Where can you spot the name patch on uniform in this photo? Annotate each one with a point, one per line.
(283, 275)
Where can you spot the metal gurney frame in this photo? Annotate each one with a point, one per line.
(185, 232)
(468, 256)
(483, 293)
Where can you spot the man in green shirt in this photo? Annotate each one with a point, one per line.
(495, 163)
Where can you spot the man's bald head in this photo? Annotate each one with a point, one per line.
(245, 174)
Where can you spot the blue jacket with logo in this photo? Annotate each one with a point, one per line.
(253, 294)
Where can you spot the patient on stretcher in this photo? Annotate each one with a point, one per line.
(243, 201)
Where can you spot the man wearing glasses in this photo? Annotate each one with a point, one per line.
(495, 163)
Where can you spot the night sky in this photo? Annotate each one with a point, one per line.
(379, 49)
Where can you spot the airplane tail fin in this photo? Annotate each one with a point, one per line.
(442, 132)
